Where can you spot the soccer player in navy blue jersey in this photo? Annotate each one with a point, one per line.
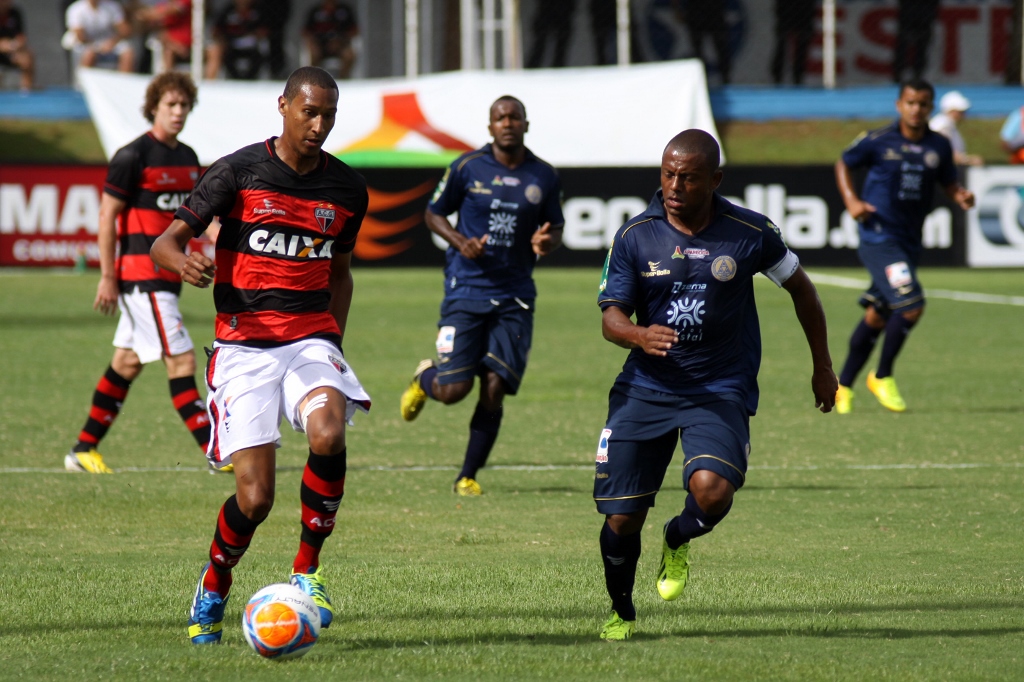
(684, 269)
(904, 160)
(510, 214)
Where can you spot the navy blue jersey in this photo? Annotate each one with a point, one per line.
(701, 286)
(900, 182)
(506, 204)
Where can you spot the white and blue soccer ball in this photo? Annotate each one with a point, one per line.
(281, 622)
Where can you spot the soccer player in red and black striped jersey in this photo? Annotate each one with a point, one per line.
(147, 180)
(282, 285)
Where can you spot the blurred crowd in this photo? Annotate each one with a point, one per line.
(243, 39)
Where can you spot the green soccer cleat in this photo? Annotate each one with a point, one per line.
(617, 630)
(886, 392)
(90, 462)
(467, 487)
(312, 584)
(675, 568)
(415, 397)
(844, 400)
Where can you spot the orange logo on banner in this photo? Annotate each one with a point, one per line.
(372, 243)
(401, 116)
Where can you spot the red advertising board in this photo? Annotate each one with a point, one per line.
(49, 215)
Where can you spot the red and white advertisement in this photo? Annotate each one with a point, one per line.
(49, 215)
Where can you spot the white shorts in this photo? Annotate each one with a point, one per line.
(250, 389)
(151, 325)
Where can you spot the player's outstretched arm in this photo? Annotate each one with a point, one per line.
(469, 247)
(844, 181)
(341, 286)
(168, 252)
(618, 328)
(108, 290)
(812, 318)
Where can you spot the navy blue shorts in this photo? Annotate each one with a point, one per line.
(894, 284)
(640, 437)
(475, 336)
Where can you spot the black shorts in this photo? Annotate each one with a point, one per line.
(640, 436)
(475, 336)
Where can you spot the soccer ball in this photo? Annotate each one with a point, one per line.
(281, 621)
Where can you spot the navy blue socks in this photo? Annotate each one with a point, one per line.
(862, 342)
(483, 431)
(427, 381)
(691, 523)
(896, 331)
(620, 554)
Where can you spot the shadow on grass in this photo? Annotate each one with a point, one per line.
(469, 617)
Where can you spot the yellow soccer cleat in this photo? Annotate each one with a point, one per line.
(618, 630)
(467, 487)
(675, 569)
(886, 392)
(90, 462)
(415, 397)
(226, 469)
(844, 400)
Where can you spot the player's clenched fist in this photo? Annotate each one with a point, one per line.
(198, 270)
(657, 340)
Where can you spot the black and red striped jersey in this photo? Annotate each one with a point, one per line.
(152, 179)
(279, 231)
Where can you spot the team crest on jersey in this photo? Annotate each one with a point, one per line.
(931, 159)
(338, 363)
(723, 268)
(534, 194)
(324, 217)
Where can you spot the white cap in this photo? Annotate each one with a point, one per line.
(954, 101)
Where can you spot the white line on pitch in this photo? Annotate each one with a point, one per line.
(968, 296)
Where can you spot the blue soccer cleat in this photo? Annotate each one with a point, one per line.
(312, 584)
(206, 617)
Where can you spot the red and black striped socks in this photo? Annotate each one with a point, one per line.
(230, 540)
(106, 405)
(191, 408)
(323, 485)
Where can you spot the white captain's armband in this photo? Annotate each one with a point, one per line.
(784, 269)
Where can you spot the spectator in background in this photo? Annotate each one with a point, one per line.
(171, 22)
(914, 34)
(953, 107)
(794, 24)
(551, 23)
(328, 32)
(239, 36)
(14, 50)
(1012, 135)
(275, 16)
(706, 18)
(98, 34)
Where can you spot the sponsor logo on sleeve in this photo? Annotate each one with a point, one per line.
(602, 446)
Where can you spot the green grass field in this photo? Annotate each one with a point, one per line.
(873, 546)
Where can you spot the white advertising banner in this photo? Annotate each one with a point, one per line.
(586, 117)
(995, 229)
